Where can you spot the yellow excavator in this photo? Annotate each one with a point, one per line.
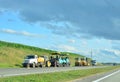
(81, 61)
(43, 61)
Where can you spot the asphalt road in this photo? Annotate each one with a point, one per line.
(4, 72)
(112, 76)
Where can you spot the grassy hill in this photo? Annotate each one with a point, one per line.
(12, 54)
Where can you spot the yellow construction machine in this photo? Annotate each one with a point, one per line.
(43, 61)
(81, 61)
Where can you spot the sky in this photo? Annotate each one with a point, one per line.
(77, 26)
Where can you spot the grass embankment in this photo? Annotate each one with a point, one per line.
(12, 54)
(58, 76)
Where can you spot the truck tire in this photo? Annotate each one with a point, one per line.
(28, 65)
(33, 65)
(41, 66)
(48, 64)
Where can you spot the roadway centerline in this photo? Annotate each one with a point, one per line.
(106, 76)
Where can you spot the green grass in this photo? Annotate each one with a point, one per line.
(12, 54)
(58, 76)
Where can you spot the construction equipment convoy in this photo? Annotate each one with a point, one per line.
(56, 59)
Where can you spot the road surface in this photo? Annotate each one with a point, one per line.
(4, 72)
(112, 76)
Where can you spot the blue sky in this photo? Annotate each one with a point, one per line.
(78, 26)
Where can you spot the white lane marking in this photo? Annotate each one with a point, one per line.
(106, 76)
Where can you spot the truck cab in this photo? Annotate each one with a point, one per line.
(30, 60)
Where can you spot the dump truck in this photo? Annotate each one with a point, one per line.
(36, 61)
(59, 60)
(93, 62)
(81, 61)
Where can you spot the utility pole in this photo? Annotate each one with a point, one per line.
(91, 54)
(91, 58)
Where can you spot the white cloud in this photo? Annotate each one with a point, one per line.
(84, 43)
(116, 52)
(8, 31)
(24, 33)
(72, 41)
(98, 41)
(67, 48)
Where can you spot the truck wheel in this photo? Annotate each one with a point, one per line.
(41, 65)
(28, 65)
(63, 65)
(33, 65)
(79, 64)
(69, 64)
(48, 64)
(58, 65)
